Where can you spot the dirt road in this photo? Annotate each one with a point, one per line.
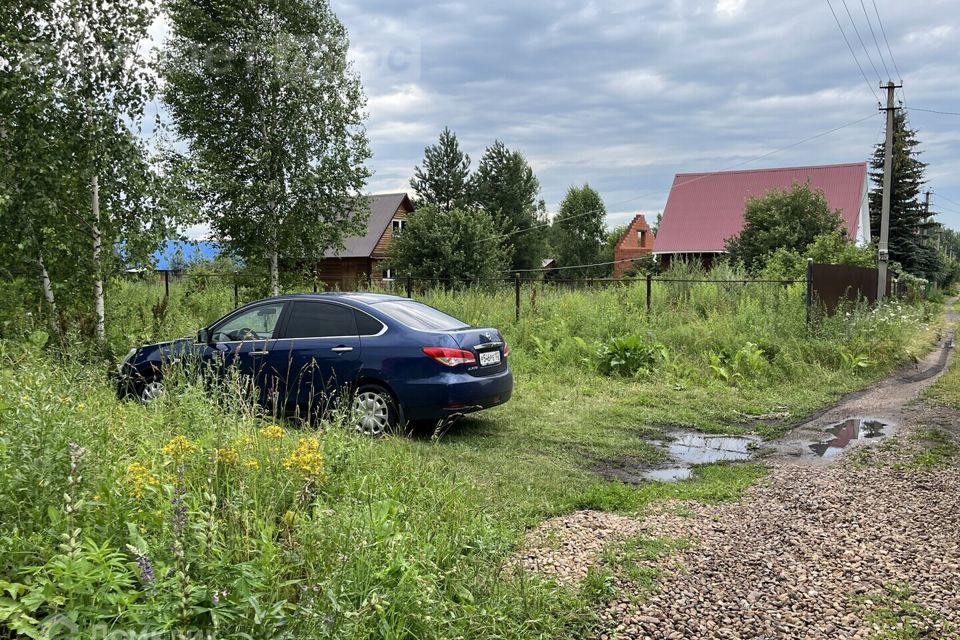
(865, 544)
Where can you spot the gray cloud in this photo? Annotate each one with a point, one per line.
(624, 95)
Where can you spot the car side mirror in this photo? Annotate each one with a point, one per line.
(203, 336)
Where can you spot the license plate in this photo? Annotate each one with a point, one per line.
(488, 358)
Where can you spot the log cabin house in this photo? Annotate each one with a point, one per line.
(360, 259)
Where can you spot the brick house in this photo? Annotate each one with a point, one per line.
(361, 257)
(637, 241)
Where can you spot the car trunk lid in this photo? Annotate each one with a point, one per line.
(487, 344)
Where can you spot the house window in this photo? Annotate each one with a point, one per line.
(388, 273)
(398, 225)
(641, 237)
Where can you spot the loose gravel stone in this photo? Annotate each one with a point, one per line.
(807, 553)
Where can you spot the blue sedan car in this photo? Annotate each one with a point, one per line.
(400, 360)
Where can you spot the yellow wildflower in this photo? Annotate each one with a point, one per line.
(273, 432)
(179, 447)
(138, 478)
(252, 464)
(243, 441)
(307, 458)
(227, 455)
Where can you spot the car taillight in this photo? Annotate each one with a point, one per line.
(506, 349)
(450, 357)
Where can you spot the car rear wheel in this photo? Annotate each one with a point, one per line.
(374, 410)
(151, 390)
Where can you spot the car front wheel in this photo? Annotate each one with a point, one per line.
(151, 390)
(374, 410)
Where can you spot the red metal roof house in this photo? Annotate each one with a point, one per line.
(704, 209)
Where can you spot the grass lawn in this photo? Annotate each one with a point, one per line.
(250, 527)
(539, 454)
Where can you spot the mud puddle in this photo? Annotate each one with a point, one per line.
(849, 431)
(688, 449)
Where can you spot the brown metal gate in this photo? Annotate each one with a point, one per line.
(832, 284)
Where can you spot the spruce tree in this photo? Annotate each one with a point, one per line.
(908, 222)
(444, 179)
(507, 188)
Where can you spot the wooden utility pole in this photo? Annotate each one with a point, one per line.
(883, 256)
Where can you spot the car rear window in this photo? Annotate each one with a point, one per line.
(368, 325)
(419, 316)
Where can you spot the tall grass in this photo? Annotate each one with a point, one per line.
(180, 516)
(561, 326)
(191, 514)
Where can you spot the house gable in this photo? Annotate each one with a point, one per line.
(636, 242)
(380, 249)
(383, 209)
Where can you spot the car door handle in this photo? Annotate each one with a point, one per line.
(342, 349)
(259, 353)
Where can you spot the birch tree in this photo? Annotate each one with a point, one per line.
(75, 84)
(272, 114)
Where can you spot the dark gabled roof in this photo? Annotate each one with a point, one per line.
(382, 208)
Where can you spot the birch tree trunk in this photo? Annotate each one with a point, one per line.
(101, 330)
(48, 296)
(274, 274)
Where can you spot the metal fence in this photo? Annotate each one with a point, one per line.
(827, 286)
(833, 285)
(246, 289)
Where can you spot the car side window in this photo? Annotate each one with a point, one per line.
(258, 323)
(368, 325)
(320, 320)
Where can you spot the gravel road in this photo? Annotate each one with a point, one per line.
(811, 551)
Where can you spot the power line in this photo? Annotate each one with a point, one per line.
(850, 48)
(887, 42)
(691, 181)
(792, 145)
(857, 31)
(943, 113)
(875, 41)
(893, 60)
(573, 266)
(943, 197)
(944, 209)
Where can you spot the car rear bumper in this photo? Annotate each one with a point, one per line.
(453, 393)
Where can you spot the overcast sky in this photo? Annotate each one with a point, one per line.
(625, 94)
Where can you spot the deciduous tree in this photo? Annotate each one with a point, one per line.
(579, 232)
(458, 246)
(272, 113)
(784, 218)
(75, 81)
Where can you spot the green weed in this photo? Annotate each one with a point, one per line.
(247, 526)
(631, 356)
(895, 616)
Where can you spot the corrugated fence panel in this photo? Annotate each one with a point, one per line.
(834, 283)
